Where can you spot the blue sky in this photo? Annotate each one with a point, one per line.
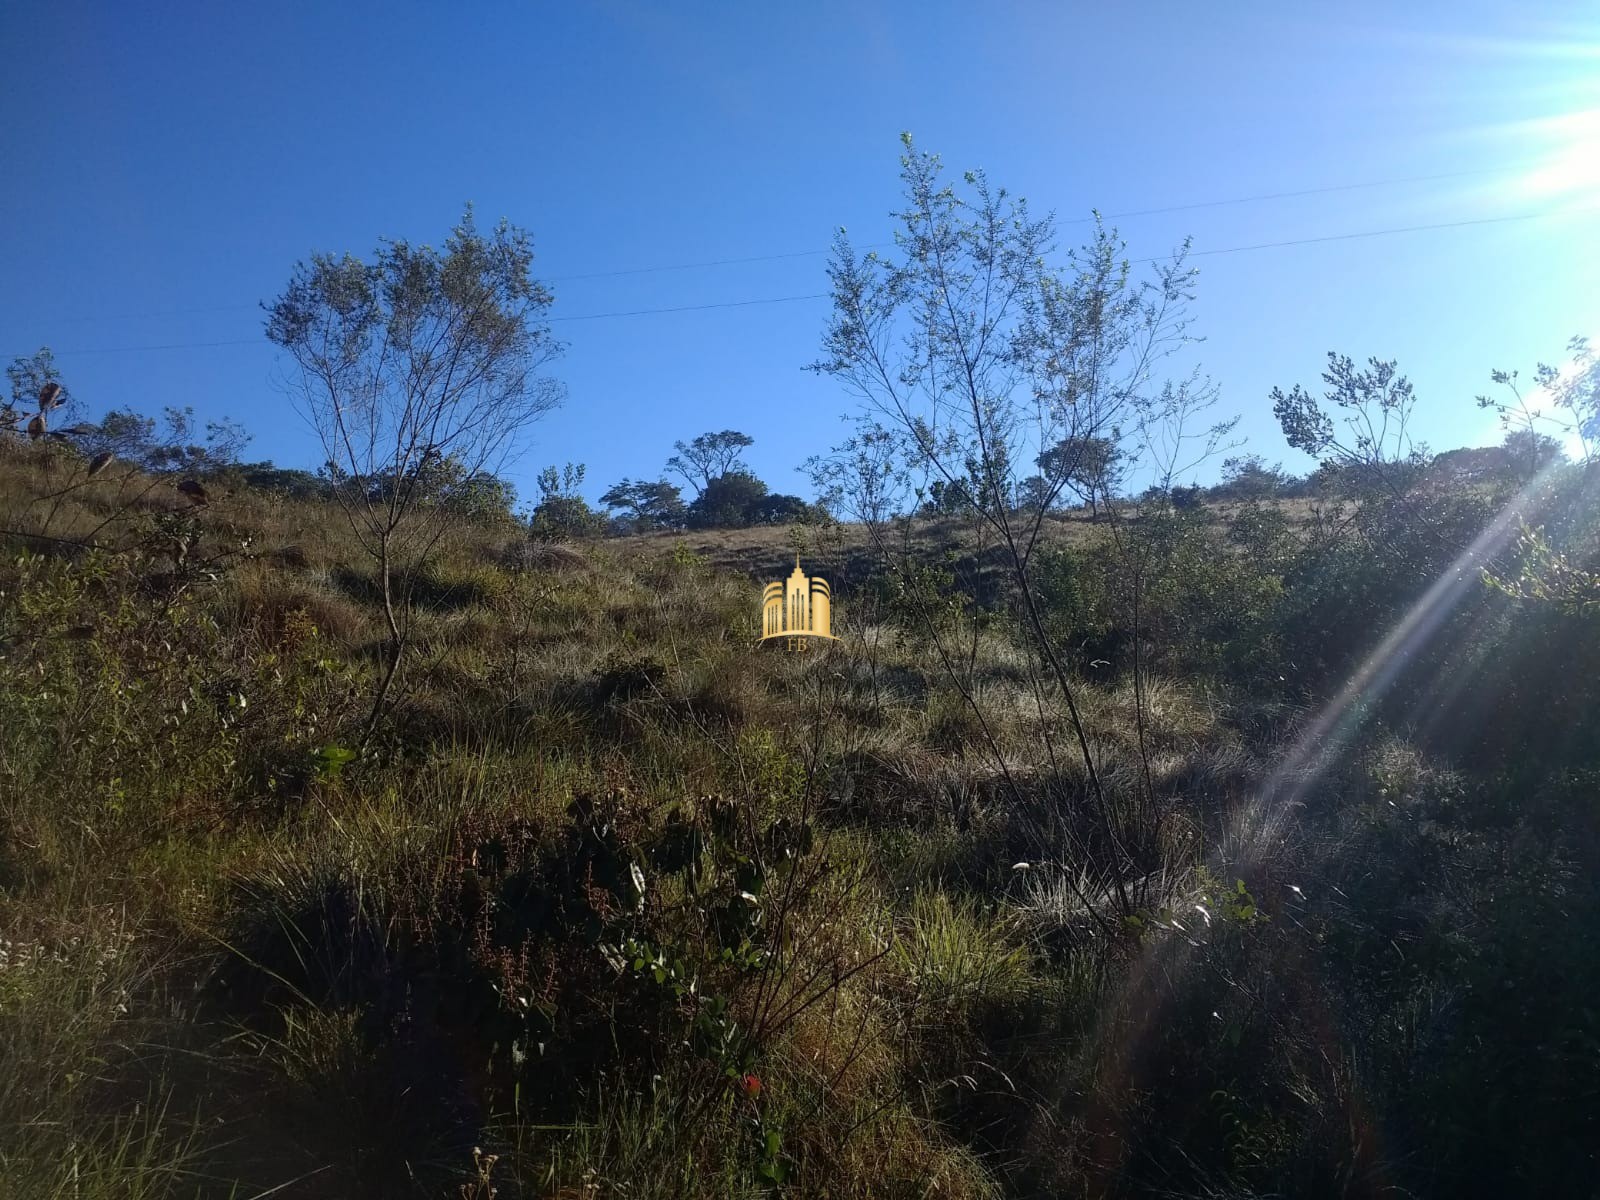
(165, 166)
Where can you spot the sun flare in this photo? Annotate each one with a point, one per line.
(1569, 159)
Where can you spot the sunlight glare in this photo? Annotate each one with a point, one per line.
(1570, 161)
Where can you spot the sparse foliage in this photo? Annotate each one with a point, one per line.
(975, 358)
(412, 358)
(1362, 423)
(1564, 400)
(176, 444)
(36, 387)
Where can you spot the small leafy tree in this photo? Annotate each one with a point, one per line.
(728, 501)
(30, 375)
(1361, 426)
(974, 356)
(175, 444)
(562, 512)
(778, 508)
(1531, 451)
(1087, 465)
(412, 356)
(1034, 491)
(1248, 477)
(647, 504)
(479, 495)
(708, 457)
(947, 499)
(443, 482)
(1565, 401)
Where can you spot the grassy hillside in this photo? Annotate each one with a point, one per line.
(614, 904)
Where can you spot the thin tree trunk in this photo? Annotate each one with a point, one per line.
(1043, 640)
(1148, 800)
(396, 643)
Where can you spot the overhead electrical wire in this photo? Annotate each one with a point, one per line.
(1316, 191)
(643, 312)
(1257, 198)
(255, 341)
(1115, 216)
(1370, 233)
(1309, 241)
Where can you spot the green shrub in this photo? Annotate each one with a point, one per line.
(957, 959)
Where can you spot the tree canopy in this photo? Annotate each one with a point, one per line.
(709, 456)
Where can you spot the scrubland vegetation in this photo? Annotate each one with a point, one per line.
(361, 839)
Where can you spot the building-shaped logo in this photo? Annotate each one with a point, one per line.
(797, 611)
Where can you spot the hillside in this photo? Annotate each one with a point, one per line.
(614, 905)
(848, 550)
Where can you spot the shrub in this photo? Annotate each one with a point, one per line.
(956, 959)
(729, 501)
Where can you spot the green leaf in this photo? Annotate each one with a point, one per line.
(330, 760)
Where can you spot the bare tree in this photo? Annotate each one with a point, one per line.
(415, 356)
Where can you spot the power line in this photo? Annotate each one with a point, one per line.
(1257, 198)
(1116, 216)
(255, 341)
(645, 312)
(637, 312)
(714, 262)
(1316, 191)
(1371, 233)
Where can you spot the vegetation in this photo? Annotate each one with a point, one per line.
(418, 372)
(1227, 841)
(727, 494)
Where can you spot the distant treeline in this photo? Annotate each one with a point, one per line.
(726, 493)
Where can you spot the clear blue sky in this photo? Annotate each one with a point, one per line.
(163, 166)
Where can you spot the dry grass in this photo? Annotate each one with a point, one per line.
(543, 674)
(269, 599)
(766, 552)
